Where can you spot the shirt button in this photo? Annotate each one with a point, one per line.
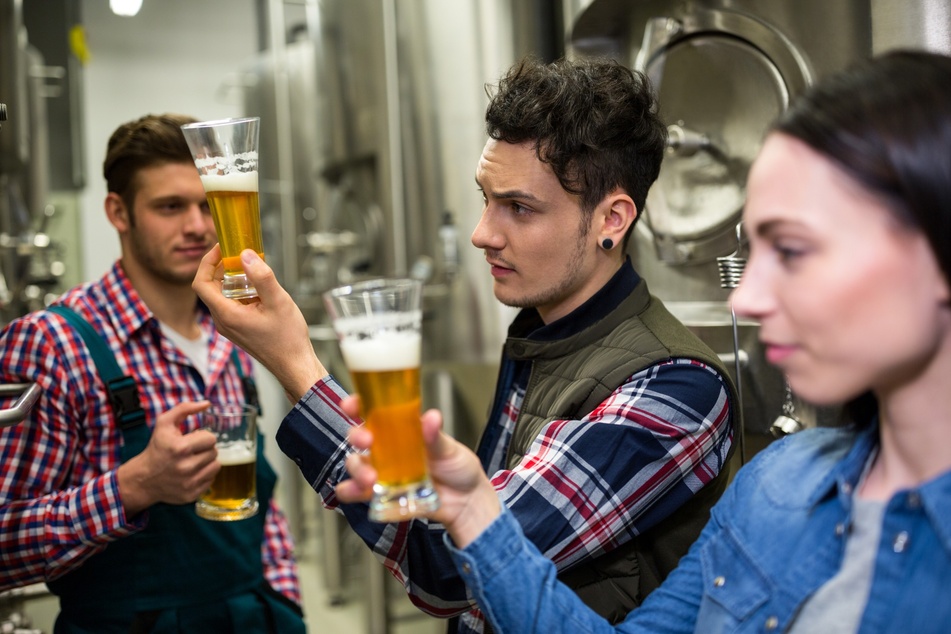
(901, 542)
(466, 568)
(840, 529)
(847, 488)
(772, 623)
(719, 581)
(914, 500)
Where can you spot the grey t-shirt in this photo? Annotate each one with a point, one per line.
(837, 606)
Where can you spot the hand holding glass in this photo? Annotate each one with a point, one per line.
(233, 493)
(226, 155)
(378, 325)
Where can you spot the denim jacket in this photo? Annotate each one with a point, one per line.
(777, 534)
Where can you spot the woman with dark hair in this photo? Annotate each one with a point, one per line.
(843, 529)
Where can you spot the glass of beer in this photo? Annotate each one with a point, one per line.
(233, 493)
(378, 326)
(226, 155)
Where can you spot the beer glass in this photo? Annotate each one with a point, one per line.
(377, 323)
(226, 155)
(233, 493)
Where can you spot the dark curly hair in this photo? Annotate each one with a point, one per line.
(594, 121)
(146, 142)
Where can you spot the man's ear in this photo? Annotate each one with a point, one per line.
(117, 212)
(617, 214)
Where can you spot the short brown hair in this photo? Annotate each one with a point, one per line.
(146, 142)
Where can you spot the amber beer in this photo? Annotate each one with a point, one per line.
(233, 199)
(379, 323)
(225, 152)
(233, 489)
(233, 492)
(385, 373)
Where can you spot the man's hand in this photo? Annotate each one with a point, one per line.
(272, 330)
(174, 468)
(468, 502)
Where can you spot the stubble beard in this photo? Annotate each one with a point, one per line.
(550, 294)
(150, 260)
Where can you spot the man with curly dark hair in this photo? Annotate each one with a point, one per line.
(611, 428)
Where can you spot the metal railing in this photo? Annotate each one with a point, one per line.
(28, 392)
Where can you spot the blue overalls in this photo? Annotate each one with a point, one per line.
(181, 573)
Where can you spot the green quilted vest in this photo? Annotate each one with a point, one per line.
(569, 378)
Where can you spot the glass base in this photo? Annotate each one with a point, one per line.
(397, 504)
(221, 514)
(237, 286)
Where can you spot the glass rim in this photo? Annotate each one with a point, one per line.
(215, 123)
(377, 283)
(230, 409)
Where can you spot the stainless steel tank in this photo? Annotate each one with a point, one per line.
(723, 70)
(372, 125)
(30, 264)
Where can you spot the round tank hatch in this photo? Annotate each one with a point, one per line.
(719, 89)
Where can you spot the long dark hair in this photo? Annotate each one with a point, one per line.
(886, 121)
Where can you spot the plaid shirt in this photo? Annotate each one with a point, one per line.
(59, 498)
(654, 442)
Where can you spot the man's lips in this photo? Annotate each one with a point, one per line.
(498, 269)
(194, 250)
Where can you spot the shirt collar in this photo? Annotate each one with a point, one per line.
(845, 475)
(934, 495)
(126, 309)
(608, 297)
(122, 303)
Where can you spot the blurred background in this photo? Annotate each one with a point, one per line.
(371, 128)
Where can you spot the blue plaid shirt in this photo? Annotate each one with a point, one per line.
(674, 417)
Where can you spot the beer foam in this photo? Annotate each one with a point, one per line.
(234, 182)
(235, 453)
(387, 351)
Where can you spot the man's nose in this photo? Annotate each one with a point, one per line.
(485, 235)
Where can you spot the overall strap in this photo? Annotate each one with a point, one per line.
(122, 389)
(247, 382)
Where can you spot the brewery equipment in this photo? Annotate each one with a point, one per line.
(723, 70)
(30, 261)
(27, 392)
(372, 121)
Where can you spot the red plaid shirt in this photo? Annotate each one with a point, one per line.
(59, 498)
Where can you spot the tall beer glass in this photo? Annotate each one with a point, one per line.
(233, 493)
(226, 155)
(378, 325)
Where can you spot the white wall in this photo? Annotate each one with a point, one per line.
(174, 56)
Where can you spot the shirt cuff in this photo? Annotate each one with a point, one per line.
(489, 554)
(314, 436)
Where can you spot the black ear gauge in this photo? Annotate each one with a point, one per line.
(607, 244)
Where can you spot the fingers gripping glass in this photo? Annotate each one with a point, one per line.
(378, 326)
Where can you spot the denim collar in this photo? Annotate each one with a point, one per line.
(934, 496)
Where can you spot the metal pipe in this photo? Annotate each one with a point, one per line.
(29, 393)
(285, 158)
(394, 140)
